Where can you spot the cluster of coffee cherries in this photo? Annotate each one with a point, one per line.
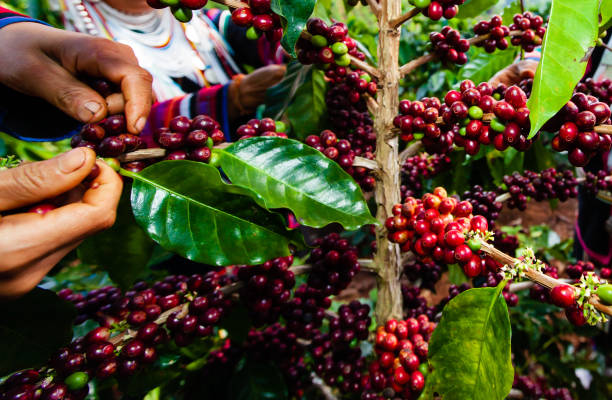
(259, 19)
(437, 227)
(181, 9)
(327, 45)
(427, 273)
(505, 242)
(100, 355)
(267, 287)
(437, 9)
(421, 166)
(565, 296)
(341, 152)
(484, 203)
(497, 34)
(305, 312)
(417, 120)
(334, 264)
(540, 186)
(360, 82)
(536, 389)
(415, 304)
(509, 127)
(540, 293)
(108, 138)
(187, 139)
(532, 29)
(595, 182)
(448, 46)
(401, 348)
(602, 89)
(576, 271)
(577, 134)
(261, 127)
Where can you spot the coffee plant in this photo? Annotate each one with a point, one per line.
(241, 270)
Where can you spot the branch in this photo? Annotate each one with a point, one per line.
(372, 104)
(373, 71)
(414, 64)
(605, 129)
(518, 286)
(409, 151)
(396, 23)
(375, 7)
(143, 154)
(232, 3)
(503, 197)
(538, 277)
(366, 163)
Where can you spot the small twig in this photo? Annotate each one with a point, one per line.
(515, 394)
(538, 277)
(409, 151)
(503, 197)
(372, 104)
(232, 3)
(518, 286)
(605, 129)
(143, 154)
(365, 163)
(396, 23)
(370, 69)
(323, 388)
(375, 7)
(414, 64)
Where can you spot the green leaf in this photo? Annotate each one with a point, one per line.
(123, 250)
(513, 8)
(280, 96)
(32, 328)
(572, 30)
(290, 174)
(473, 8)
(470, 348)
(456, 276)
(605, 13)
(482, 67)
(308, 112)
(187, 208)
(256, 381)
(295, 14)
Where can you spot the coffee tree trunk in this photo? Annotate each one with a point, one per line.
(387, 258)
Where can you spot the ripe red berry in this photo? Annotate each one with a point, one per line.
(563, 296)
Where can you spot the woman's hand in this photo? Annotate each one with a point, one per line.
(31, 244)
(251, 92)
(42, 61)
(513, 74)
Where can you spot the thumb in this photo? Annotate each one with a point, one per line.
(33, 182)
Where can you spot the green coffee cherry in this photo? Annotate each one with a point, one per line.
(463, 131)
(113, 163)
(319, 41)
(182, 14)
(474, 244)
(424, 369)
(496, 96)
(252, 33)
(339, 48)
(170, 3)
(497, 126)
(475, 112)
(366, 77)
(210, 143)
(77, 380)
(421, 3)
(605, 293)
(344, 60)
(280, 126)
(215, 158)
(418, 136)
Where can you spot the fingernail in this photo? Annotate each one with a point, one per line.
(71, 161)
(140, 124)
(89, 110)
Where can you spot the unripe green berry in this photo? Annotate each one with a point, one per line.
(418, 136)
(475, 112)
(280, 126)
(210, 143)
(343, 60)
(421, 3)
(605, 293)
(463, 131)
(182, 14)
(252, 33)
(474, 244)
(497, 126)
(366, 77)
(319, 41)
(113, 163)
(77, 380)
(339, 48)
(170, 3)
(496, 96)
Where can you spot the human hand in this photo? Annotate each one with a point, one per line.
(513, 74)
(251, 92)
(42, 61)
(31, 244)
